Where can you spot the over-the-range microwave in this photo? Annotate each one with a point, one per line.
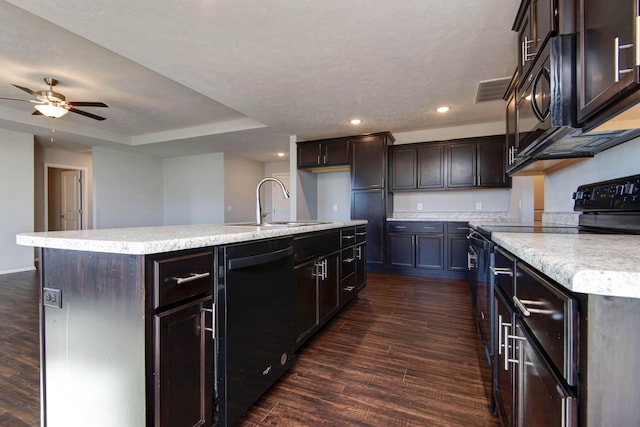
(546, 110)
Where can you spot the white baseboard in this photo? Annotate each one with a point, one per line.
(17, 270)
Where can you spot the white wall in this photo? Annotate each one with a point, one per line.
(241, 176)
(127, 189)
(269, 169)
(452, 201)
(615, 162)
(55, 156)
(17, 196)
(193, 189)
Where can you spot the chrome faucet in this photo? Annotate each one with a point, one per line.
(285, 193)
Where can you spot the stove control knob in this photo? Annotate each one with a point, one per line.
(630, 188)
(581, 195)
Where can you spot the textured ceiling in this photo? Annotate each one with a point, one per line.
(240, 76)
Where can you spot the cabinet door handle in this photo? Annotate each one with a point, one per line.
(501, 270)
(212, 329)
(349, 260)
(349, 237)
(349, 288)
(190, 278)
(470, 260)
(359, 253)
(617, 47)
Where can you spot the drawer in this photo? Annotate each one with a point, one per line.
(347, 236)
(551, 316)
(348, 289)
(348, 258)
(458, 227)
(415, 227)
(308, 246)
(504, 264)
(182, 277)
(361, 233)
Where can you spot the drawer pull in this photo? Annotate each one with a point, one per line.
(364, 233)
(191, 278)
(463, 228)
(521, 306)
(527, 303)
(348, 237)
(349, 288)
(349, 260)
(428, 227)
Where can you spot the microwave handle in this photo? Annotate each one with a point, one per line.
(542, 73)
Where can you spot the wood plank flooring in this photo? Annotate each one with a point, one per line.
(404, 353)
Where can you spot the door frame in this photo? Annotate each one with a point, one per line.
(83, 188)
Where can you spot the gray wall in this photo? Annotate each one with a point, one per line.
(193, 189)
(127, 189)
(241, 176)
(615, 162)
(269, 169)
(334, 191)
(17, 196)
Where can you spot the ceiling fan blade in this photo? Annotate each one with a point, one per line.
(26, 89)
(17, 99)
(88, 104)
(84, 113)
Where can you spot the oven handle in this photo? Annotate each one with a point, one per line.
(478, 242)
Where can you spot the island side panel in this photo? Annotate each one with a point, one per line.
(93, 346)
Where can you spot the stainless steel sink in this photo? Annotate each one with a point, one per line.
(275, 224)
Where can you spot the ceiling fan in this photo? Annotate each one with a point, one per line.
(53, 104)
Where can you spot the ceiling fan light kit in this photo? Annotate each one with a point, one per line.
(53, 104)
(51, 110)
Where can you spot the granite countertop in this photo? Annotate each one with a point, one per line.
(150, 240)
(586, 263)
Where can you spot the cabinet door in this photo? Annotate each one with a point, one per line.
(370, 205)
(430, 251)
(403, 169)
(431, 167)
(526, 52)
(503, 371)
(183, 366)
(401, 250)
(308, 154)
(361, 265)
(305, 300)
(329, 288)
(461, 168)
(607, 47)
(335, 153)
(368, 162)
(490, 164)
(512, 128)
(458, 248)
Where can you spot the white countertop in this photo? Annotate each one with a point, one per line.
(586, 263)
(150, 240)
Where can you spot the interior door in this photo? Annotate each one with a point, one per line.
(71, 203)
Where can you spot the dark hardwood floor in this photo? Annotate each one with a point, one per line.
(404, 353)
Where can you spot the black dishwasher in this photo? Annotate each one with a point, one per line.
(254, 312)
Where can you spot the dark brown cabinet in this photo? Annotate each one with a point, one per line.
(323, 154)
(372, 206)
(457, 246)
(477, 163)
(535, 22)
(418, 167)
(608, 47)
(451, 165)
(369, 162)
(353, 269)
(183, 367)
(316, 282)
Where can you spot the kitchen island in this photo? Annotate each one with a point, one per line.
(143, 326)
(577, 299)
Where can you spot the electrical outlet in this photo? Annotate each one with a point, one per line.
(52, 297)
(478, 206)
(335, 208)
(419, 206)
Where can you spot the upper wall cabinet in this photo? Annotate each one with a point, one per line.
(608, 44)
(458, 164)
(535, 22)
(329, 153)
(369, 161)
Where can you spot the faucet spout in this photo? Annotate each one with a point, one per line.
(285, 193)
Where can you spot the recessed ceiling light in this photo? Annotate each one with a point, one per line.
(280, 154)
(356, 121)
(443, 109)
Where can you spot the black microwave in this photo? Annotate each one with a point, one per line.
(546, 110)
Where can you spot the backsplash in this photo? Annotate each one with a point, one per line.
(454, 216)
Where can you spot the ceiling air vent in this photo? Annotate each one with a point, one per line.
(492, 90)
